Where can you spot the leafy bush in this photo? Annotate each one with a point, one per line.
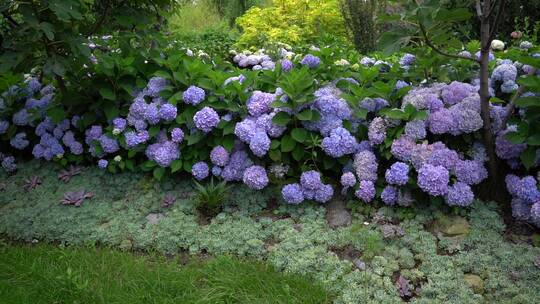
(290, 21)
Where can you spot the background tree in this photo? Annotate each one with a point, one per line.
(359, 17)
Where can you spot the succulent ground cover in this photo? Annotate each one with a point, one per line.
(424, 254)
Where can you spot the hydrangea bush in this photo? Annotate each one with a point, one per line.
(311, 124)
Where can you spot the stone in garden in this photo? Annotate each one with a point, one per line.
(337, 214)
(452, 225)
(154, 218)
(359, 264)
(475, 282)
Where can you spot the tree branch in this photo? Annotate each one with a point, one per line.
(437, 50)
(511, 104)
(99, 23)
(497, 19)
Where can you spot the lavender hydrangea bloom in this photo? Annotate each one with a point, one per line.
(402, 148)
(135, 138)
(163, 153)
(206, 119)
(93, 133)
(366, 191)
(255, 177)
(400, 84)
(152, 114)
(340, 143)
(216, 171)
(407, 60)
(286, 65)
(4, 125)
(48, 147)
(109, 145)
(292, 194)
(310, 61)
(102, 163)
(200, 170)
(433, 179)
(19, 141)
(470, 172)
(119, 125)
(21, 118)
(260, 144)
(377, 131)
(259, 103)
(324, 193)
(459, 194)
(310, 180)
(193, 95)
(397, 174)
(441, 122)
(365, 165)
(265, 122)
(504, 148)
(373, 104)
(245, 129)
(527, 189)
(167, 112)
(155, 86)
(491, 56)
(416, 129)
(466, 121)
(234, 170)
(389, 195)
(456, 91)
(443, 157)
(177, 135)
(504, 73)
(219, 156)
(521, 209)
(348, 179)
(8, 163)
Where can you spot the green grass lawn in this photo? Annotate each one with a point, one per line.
(49, 274)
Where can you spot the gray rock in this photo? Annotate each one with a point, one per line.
(154, 218)
(359, 264)
(337, 214)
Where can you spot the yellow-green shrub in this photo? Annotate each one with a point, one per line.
(291, 21)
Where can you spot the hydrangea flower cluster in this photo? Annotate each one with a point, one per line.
(257, 61)
(206, 119)
(310, 188)
(526, 198)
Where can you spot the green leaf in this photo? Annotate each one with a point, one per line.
(107, 93)
(299, 134)
(420, 115)
(531, 82)
(528, 157)
(194, 138)
(57, 114)
(298, 153)
(305, 115)
(391, 42)
(111, 111)
(158, 173)
(281, 119)
(531, 101)
(154, 130)
(47, 29)
(176, 165)
(394, 113)
(287, 143)
(275, 155)
(534, 140)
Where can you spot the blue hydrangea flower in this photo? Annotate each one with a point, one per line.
(433, 179)
(206, 119)
(8, 163)
(119, 125)
(470, 172)
(216, 171)
(348, 180)
(397, 174)
(102, 163)
(260, 144)
(506, 149)
(527, 189)
(245, 129)
(310, 180)
(177, 135)
(167, 112)
(389, 195)
(366, 191)
(163, 153)
(135, 138)
(407, 60)
(21, 118)
(459, 194)
(286, 65)
(416, 129)
(234, 170)
(443, 157)
(324, 193)
(456, 91)
(93, 133)
(521, 209)
(109, 145)
(219, 156)
(19, 141)
(402, 148)
(259, 103)
(255, 177)
(193, 95)
(200, 170)
(339, 143)
(4, 125)
(441, 122)
(292, 194)
(365, 165)
(310, 61)
(48, 147)
(155, 86)
(377, 131)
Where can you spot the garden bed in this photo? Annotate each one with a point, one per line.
(386, 255)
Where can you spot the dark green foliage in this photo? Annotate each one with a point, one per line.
(359, 17)
(231, 9)
(210, 197)
(48, 274)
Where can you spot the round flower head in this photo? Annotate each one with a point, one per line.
(245, 129)
(441, 122)
(292, 194)
(155, 86)
(259, 103)
(8, 163)
(206, 119)
(102, 163)
(433, 179)
(255, 177)
(527, 190)
(324, 194)
(506, 149)
(456, 91)
(366, 191)
(377, 131)
(311, 61)
(4, 125)
(416, 129)
(311, 180)
(340, 143)
(397, 174)
(286, 65)
(459, 194)
(470, 172)
(167, 112)
(365, 165)
(402, 148)
(177, 135)
(163, 153)
(466, 121)
(19, 141)
(348, 180)
(200, 170)
(234, 170)
(21, 118)
(109, 145)
(521, 209)
(407, 60)
(119, 124)
(219, 156)
(260, 144)
(443, 157)
(216, 171)
(193, 95)
(389, 195)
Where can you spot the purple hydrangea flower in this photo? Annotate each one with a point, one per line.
(339, 143)
(365, 165)
(200, 170)
(163, 153)
(260, 144)
(194, 95)
(21, 118)
(377, 131)
(265, 122)
(505, 149)
(216, 171)
(167, 112)
(8, 163)
(19, 141)
(155, 86)
(348, 180)
(443, 157)
(535, 212)
(441, 121)
(504, 73)
(119, 125)
(152, 114)
(255, 177)
(93, 133)
(219, 156)
(527, 189)
(292, 194)
(470, 172)
(459, 194)
(324, 193)
(48, 147)
(373, 104)
(135, 138)
(521, 209)
(366, 191)
(407, 60)
(433, 179)
(416, 129)
(389, 195)
(245, 129)
(310, 180)
(397, 174)
(206, 119)
(177, 135)
(259, 103)
(109, 145)
(402, 148)
(4, 125)
(102, 163)
(310, 61)
(234, 170)
(456, 91)
(286, 65)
